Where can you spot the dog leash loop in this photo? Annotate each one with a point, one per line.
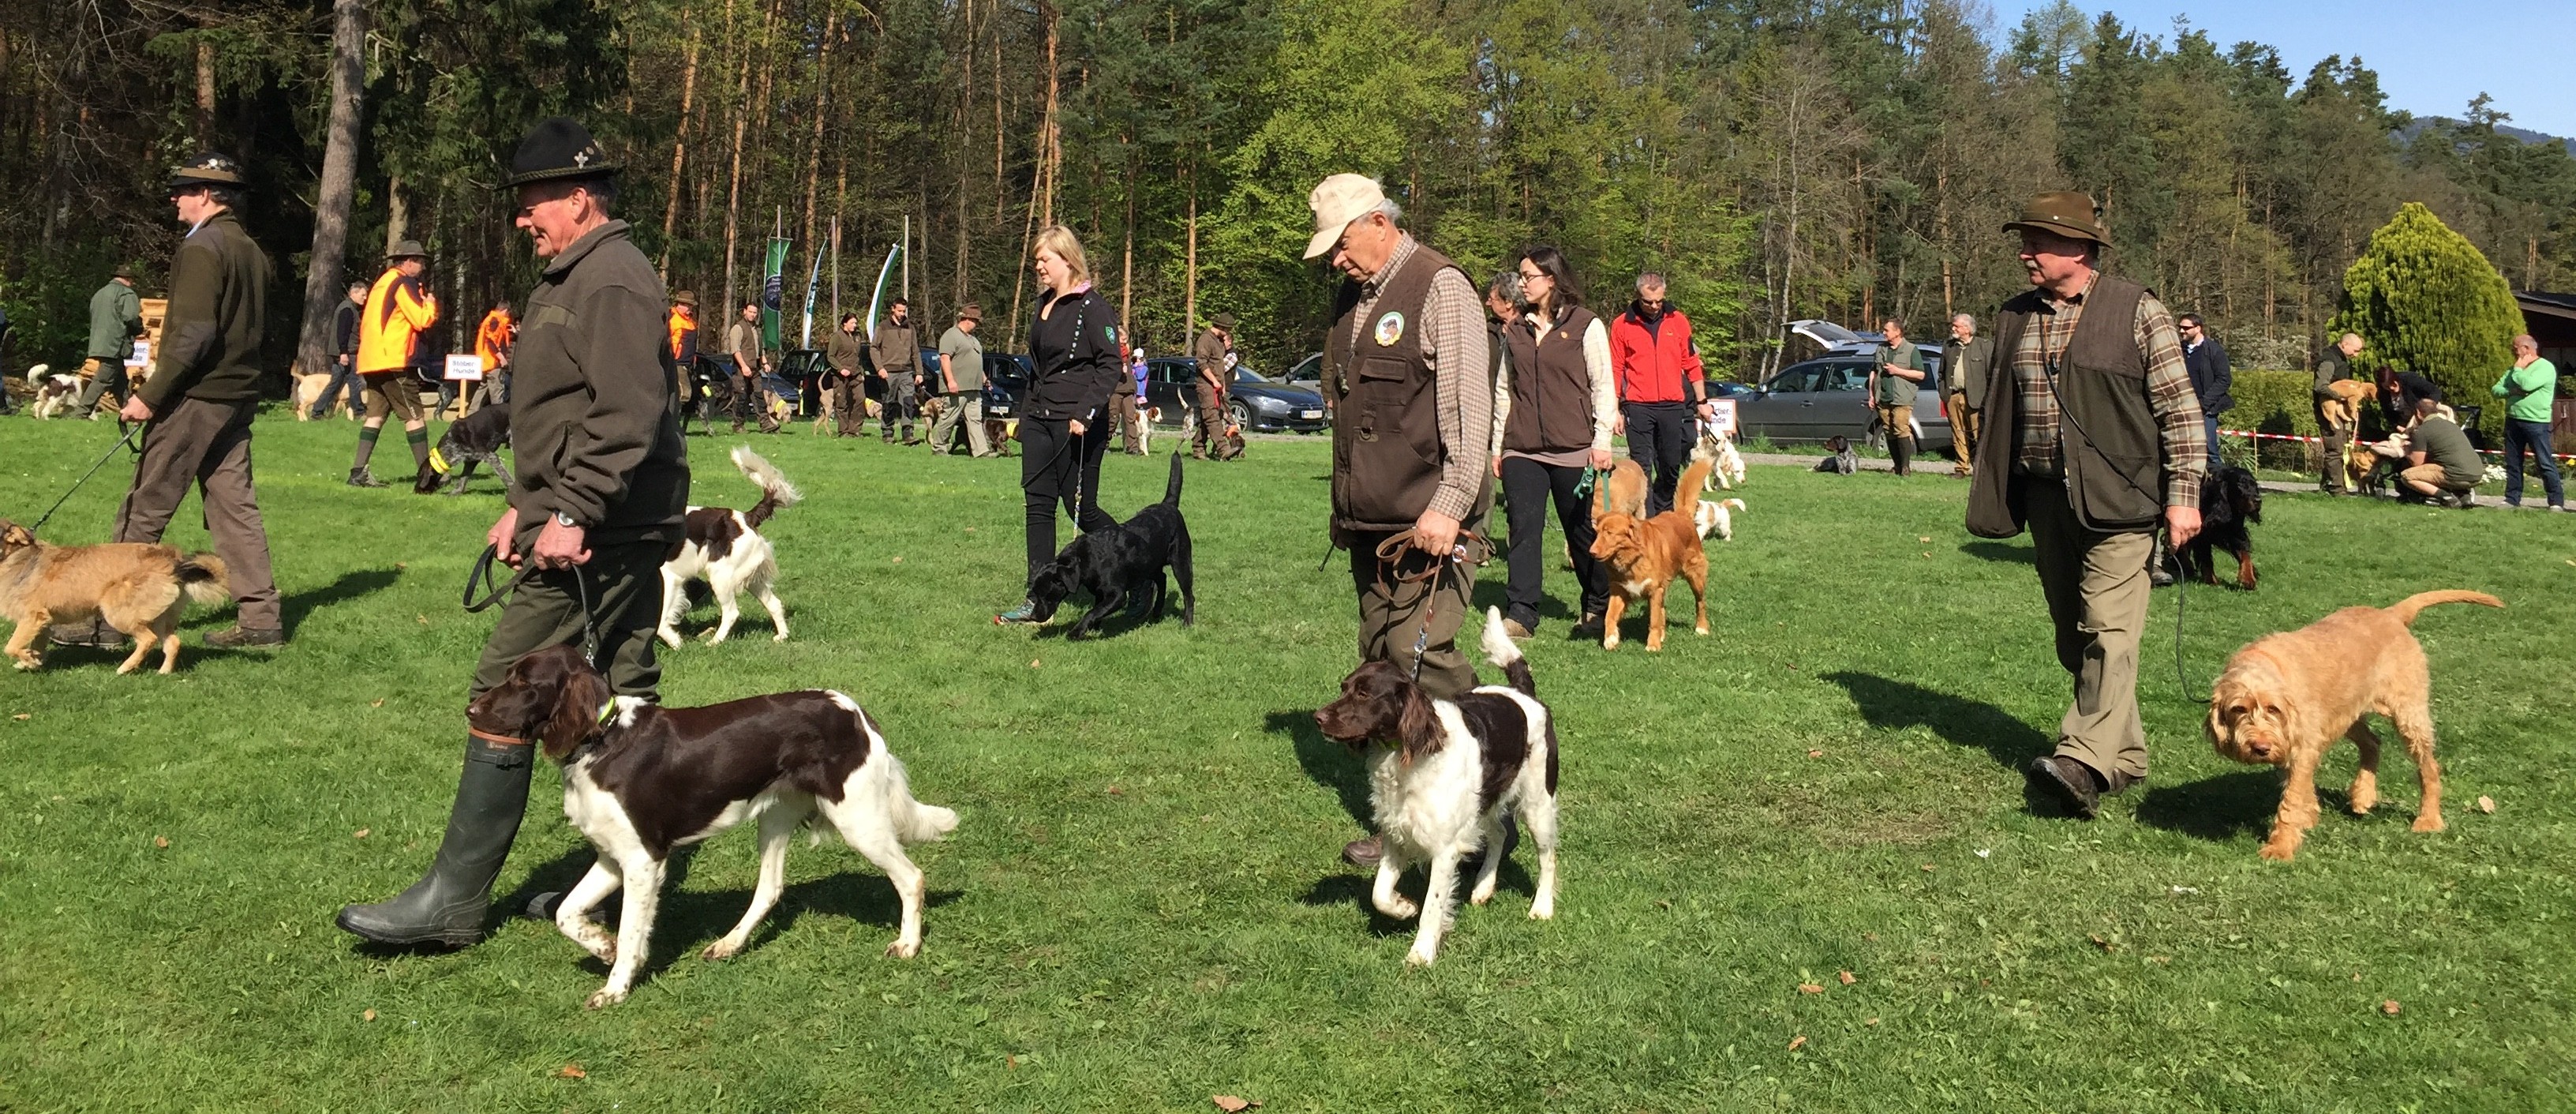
(481, 577)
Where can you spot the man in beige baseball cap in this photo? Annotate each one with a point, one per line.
(1406, 366)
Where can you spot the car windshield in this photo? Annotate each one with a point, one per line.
(1244, 374)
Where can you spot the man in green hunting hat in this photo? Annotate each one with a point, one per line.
(2098, 442)
(603, 481)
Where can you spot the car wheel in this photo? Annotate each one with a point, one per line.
(1241, 414)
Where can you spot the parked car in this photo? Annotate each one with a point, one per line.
(1309, 373)
(1006, 381)
(1258, 403)
(1827, 396)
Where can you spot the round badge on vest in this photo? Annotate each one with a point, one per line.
(1390, 329)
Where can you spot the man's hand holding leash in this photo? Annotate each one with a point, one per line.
(1436, 534)
(2181, 525)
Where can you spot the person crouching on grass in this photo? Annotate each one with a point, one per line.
(2102, 439)
(1064, 429)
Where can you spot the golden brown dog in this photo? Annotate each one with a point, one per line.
(2343, 409)
(2283, 700)
(138, 589)
(1624, 492)
(1643, 556)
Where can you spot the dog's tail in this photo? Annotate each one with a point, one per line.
(1686, 494)
(914, 822)
(776, 494)
(203, 577)
(1501, 652)
(36, 374)
(2406, 609)
(1172, 489)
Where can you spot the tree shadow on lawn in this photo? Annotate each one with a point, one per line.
(1894, 705)
(351, 585)
(1999, 551)
(1492, 593)
(2226, 806)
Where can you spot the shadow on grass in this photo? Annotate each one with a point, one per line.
(2223, 807)
(1327, 763)
(1999, 551)
(1491, 592)
(351, 585)
(1898, 704)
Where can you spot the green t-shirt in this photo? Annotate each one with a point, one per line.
(2528, 391)
(1895, 390)
(966, 358)
(2443, 443)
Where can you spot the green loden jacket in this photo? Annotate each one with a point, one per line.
(115, 319)
(594, 430)
(218, 314)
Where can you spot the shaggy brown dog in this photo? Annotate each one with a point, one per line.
(1644, 556)
(138, 589)
(2283, 700)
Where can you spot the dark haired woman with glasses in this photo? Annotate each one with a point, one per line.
(1554, 404)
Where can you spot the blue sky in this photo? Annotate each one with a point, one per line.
(2432, 55)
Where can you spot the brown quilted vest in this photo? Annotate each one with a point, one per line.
(2107, 430)
(1551, 386)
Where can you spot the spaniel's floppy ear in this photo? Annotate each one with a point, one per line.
(1419, 726)
(577, 711)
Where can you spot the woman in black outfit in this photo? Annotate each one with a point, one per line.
(1553, 405)
(1063, 425)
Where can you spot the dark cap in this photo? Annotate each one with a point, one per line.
(684, 298)
(124, 271)
(407, 249)
(1225, 321)
(558, 149)
(212, 168)
(2063, 213)
(971, 312)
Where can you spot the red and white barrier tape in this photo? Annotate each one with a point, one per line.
(2247, 433)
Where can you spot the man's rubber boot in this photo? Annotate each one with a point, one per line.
(447, 906)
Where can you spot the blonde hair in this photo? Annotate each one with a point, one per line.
(1060, 240)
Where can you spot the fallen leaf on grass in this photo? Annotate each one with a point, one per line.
(1921, 538)
(1871, 1021)
(360, 833)
(1115, 791)
(401, 565)
(2389, 1007)
(378, 702)
(571, 1071)
(1985, 852)
(2159, 959)
(1231, 1104)
(160, 841)
(898, 559)
(1848, 978)
(1798, 1043)
(23, 716)
(1872, 937)
(1927, 868)
(1815, 754)
(2103, 944)
(1810, 988)
(370, 1015)
(1033, 663)
(2485, 804)
(424, 619)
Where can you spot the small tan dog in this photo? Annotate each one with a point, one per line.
(138, 589)
(1622, 492)
(2284, 699)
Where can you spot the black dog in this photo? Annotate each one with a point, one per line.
(476, 438)
(1844, 461)
(2230, 499)
(1123, 565)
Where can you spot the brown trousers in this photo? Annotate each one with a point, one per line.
(1211, 421)
(1122, 408)
(1965, 426)
(849, 405)
(208, 443)
(1393, 612)
(2097, 590)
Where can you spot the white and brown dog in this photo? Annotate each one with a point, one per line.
(1711, 517)
(641, 780)
(725, 547)
(1726, 466)
(56, 393)
(1444, 774)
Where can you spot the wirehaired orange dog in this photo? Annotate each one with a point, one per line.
(1644, 556)
(2284, 699)
(138, 589)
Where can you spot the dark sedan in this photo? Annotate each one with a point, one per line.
(1827, 396)
(1257, 404)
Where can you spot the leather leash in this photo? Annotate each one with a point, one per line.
(1390, 572)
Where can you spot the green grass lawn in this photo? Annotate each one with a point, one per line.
(1143, 905)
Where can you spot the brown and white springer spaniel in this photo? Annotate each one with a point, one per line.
(1443, 774)
(640, 780)
(726, 547)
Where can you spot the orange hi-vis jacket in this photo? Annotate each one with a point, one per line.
(684, 335)
(397, 310)
(492, 337)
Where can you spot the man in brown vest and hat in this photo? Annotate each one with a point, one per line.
(1210, 351)
(2094, 439)
(1407, 368)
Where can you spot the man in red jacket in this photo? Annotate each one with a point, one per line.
(1662, 395)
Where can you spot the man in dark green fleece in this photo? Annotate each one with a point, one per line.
(202, 392)
(603, 484)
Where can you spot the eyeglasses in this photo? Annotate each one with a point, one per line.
(1533, 276)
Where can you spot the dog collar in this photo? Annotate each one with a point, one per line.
(607, 710)
(499, 740)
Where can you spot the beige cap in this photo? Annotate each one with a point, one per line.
(1337, 202)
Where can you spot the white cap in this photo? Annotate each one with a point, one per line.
(1337, 202)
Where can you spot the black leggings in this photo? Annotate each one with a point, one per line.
(1052, 472)
(1527, 484)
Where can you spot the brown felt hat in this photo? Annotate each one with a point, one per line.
(2064, 213)
(972, 312)
(213, 168)
(407, 249)
(684, 298)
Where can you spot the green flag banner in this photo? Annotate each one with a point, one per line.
(772, 287)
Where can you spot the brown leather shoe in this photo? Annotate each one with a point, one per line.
(2067, 780)
(1363, 853)
(241, 638)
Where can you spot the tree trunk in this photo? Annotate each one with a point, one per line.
(733, 192)
(322, 281)
(679, 148)
(397, 213)
(1190, 264)
(205, 84)
(814, 149)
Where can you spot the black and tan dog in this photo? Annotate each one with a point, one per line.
(477, 438)
(1123, 566)
(2230, 500)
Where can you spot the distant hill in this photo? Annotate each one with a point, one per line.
(2408, 133)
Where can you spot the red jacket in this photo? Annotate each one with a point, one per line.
(1651, 366)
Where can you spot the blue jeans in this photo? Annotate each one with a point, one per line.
(2210, 430)
(2536, 436)
(341, 379)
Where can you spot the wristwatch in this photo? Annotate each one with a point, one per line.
(565, 521)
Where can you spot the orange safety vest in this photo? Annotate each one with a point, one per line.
(682, 324)
(491, 337)
(397, 310)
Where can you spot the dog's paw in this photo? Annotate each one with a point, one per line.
(904, 949)
(2429, 823)
(2280, 851)
(721, 949)
(1543, 909)
(779, 637)
(1420, 956)
(604, 998)
(1611, 643)
(1402, 909)
(670, 639)
(1700, 629)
